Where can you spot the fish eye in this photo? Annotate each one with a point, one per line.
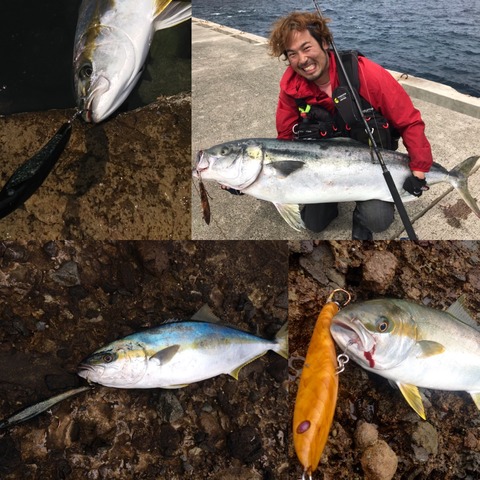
(108, 358)
(383, 324)
(225, 151)
(86, 71)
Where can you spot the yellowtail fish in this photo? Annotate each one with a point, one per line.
(112, 40)
(413, 346)
(174, 355)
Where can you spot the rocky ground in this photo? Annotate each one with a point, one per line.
(60, 301)
(126, 178)
(369, 411)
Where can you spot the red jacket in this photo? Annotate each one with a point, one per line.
(378, 87)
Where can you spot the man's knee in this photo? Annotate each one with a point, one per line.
(376, 215)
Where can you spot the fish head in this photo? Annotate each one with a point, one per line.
(106, 68)
(235, 164)
(120, 364)
(377, 334)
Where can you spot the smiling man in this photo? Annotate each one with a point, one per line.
(307, 111)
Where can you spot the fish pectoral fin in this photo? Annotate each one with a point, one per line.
(165, 355)
(168, 14)
(234, 373)
(285, 167)
(476, 398)
(412, 396)
(429, 348)
(172, 387)
(291, 214)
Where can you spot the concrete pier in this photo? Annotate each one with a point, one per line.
(234, 93)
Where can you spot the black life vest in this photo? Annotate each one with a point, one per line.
(318, 123)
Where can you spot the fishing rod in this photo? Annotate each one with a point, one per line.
(386, 173)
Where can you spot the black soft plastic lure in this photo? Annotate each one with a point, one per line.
(26, 180)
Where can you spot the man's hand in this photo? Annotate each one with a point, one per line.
(415, 185)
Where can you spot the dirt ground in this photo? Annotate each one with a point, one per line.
(62, 300)
(447, 445)
(124, 179)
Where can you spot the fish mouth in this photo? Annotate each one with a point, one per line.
(358, 335)
(89, 101)
(84, 369)
(202, 163)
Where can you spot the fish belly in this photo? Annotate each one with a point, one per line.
(192, 365)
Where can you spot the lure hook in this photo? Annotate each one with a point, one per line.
(336, 291)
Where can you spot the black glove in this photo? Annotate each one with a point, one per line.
(415, 185)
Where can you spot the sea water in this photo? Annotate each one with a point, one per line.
(434, 39)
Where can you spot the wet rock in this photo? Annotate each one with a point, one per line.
(61, 381)
(320, 265)
(366, 434)
(302, 246)
(424, 441)
(154, 256)
(214, 434)
(379, 461)
(51, 249)
(67, 275)
(245, 444)
(15, 253)
(169, 440)
(9, 455)
(471, 441)
(169, 408)
(277, 367)
(379, 270)
(237, 473)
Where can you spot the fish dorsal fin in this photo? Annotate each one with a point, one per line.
(412, 396)
(168, 14)
(429, 348)
(165, 355)
(460, 312)
(205, 314)
(291, 214)
(476, 398)
(285, 167)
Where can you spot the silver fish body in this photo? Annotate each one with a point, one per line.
(177, 354)
(290, 174)
(412, 345)
(112, 41)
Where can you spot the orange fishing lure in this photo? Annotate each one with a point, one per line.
(317, 391)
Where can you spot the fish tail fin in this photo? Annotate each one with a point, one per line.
(171, 13)
(476, 398)
(458, 177)
(282, 341)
